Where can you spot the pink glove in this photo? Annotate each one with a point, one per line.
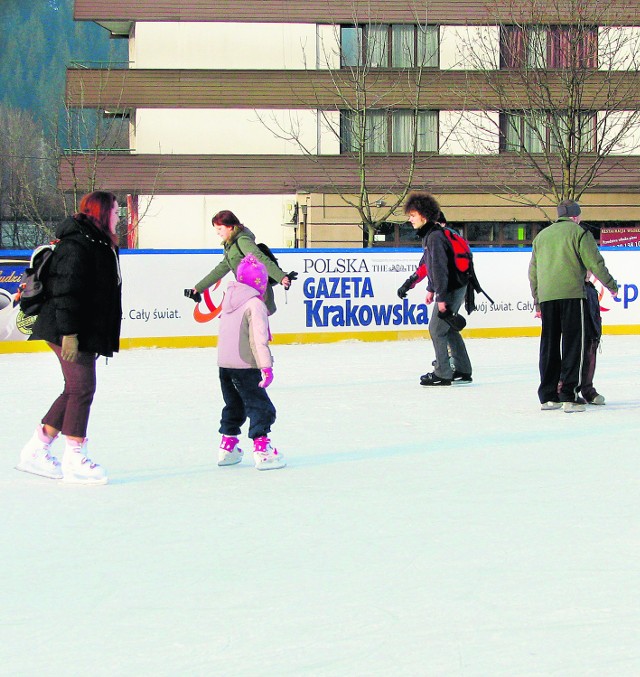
(267, 378)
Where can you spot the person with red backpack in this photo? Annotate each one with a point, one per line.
(446, 286)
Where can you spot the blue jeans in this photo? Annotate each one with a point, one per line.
(243, 399)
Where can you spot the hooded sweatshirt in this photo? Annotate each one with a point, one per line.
(243, 335)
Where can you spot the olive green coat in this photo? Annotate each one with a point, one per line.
(560, 257)
(241, 243)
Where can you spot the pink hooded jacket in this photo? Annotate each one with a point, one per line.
(243, 336)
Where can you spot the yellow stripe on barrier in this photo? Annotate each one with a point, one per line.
(7, 347)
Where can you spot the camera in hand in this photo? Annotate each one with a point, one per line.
(193, 294)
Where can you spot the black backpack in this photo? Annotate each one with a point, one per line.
(32, 289)
(267, 252)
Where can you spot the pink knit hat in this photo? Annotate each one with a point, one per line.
(253, 273)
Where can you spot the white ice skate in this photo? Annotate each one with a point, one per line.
(229, 452)
(551, 405)
(265, 456)
(78, 469)
(36, 458)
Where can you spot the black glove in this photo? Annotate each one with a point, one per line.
(193, 294)
(409, 283)
(454, 320)
(292, 276)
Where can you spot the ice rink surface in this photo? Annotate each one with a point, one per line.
(419, 532)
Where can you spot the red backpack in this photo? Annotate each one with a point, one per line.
(463, 268)
(462, 256)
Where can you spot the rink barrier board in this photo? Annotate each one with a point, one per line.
(7, 347)
(340, 295)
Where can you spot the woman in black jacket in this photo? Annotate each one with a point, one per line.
(80, 320)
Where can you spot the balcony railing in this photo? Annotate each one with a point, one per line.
(101, 65)
(98, 151)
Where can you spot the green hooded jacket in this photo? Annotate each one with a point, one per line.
(241, 243)
(561, 255)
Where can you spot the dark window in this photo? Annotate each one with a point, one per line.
(573, 47)
(485, 233)
(395, 235)
(549, 47)
(499, 234)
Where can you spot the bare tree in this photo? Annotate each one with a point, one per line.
(558, 91)
(29, 200)
(87, 135)
(367, 89)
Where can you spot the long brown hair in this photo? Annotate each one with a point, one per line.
(97, 206)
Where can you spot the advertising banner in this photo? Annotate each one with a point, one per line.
(339, 295)
(12, 322)
(620, 237)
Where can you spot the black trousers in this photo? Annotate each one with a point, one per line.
(243, 399)
(562, 348)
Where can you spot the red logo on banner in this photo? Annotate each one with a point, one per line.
(213, 310)
(598, 285)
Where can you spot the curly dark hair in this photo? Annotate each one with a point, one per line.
(425, 204)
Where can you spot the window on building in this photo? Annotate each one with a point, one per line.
(523, 131)
(535, 132)
(549, 47)
(351, 39)
(377, 46)
(369, 129)
(576, 132)
(403, 127)
(573, 47)
(517, 233)
(381, 130)
(499, 233)
(478, 232)
(390, 45)
(488, 234)
(395, 235)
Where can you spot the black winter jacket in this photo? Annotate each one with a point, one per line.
(83, 290)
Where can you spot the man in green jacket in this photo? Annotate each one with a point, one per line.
(561, 255)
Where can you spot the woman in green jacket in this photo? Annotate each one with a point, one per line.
(237, 242)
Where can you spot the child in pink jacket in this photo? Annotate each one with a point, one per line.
(246, 367)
